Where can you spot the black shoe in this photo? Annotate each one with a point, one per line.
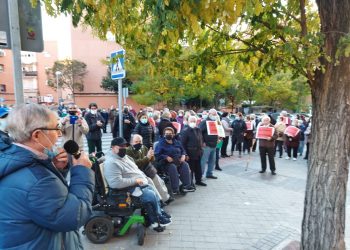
(201, 183)
(262, 171)
(273, 173)
(166, 215)
(189, 189)
(218, 168)
(211, 177)
(179, 193)
(170, 200)
(163, 204)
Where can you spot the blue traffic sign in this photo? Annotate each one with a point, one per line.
(117, 68)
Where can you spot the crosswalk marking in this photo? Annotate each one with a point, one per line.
(106, 141)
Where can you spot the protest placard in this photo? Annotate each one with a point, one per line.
(215, 128)
(249, 125)
(177, 126)
(264, 132)
(291, 131)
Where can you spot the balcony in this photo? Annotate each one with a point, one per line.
(30, 73)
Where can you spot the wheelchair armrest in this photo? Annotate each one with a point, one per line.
(122, 190)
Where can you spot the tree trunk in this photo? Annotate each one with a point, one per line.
(323, 224)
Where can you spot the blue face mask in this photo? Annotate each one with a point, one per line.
(143, 121)
(51, 153)
(3, 124)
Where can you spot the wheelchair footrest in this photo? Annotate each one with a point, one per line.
(159, 229)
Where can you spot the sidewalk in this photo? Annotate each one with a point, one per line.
(243, 209)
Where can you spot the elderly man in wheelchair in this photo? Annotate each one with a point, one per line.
(121, 172)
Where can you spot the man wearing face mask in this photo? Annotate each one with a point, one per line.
(149, 111)
(145, 129)
(209, 146)
(192, 140)
(144, 159)
(3, 117)
(121, 172)
(238, 129)
(95, 122)
(171, 154)
(128, 124)
(74, 123)
(39, 209)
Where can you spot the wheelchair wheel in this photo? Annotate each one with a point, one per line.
(99, 230)
(141, 232)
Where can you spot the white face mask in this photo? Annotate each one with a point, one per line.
(94, 112)
(192, 124)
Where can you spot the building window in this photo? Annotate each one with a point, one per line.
(2, 68)
(2, 88)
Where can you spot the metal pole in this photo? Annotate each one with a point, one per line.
(16, 50)
(120, 100)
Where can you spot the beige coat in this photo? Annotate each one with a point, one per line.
(79, 132)
(280, 127)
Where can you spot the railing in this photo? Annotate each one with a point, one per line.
(30, 73)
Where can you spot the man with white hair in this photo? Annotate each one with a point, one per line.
(267, 146)
(286, 119)
(143, 158)
(209, 145)
(39, 209)
(192, 140)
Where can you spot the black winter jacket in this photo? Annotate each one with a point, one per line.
(127, 127)
(192, 141)
(209, 140)
(94, 130)
(147, 133)
(164, 123)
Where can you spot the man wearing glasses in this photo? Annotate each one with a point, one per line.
(39, 209)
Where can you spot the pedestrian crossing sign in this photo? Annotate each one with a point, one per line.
(117, 65)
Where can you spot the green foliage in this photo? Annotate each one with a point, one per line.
(72, 73)
(112, 85)
(180, 50)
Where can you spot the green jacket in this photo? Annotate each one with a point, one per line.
(139, 156)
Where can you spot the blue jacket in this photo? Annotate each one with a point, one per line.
(164, 149)
(38, 209)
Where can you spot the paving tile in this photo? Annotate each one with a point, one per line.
(240, 210)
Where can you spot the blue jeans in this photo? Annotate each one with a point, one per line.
(301, 147)
(209, 156)
(151, 203)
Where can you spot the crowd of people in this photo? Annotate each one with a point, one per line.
(154, 144)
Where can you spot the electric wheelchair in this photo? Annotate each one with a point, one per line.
(114, 211)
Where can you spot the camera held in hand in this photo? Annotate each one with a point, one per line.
(73, 119)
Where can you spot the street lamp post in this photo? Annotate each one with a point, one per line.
(57, 73)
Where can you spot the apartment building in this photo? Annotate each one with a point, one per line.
(61, 41)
